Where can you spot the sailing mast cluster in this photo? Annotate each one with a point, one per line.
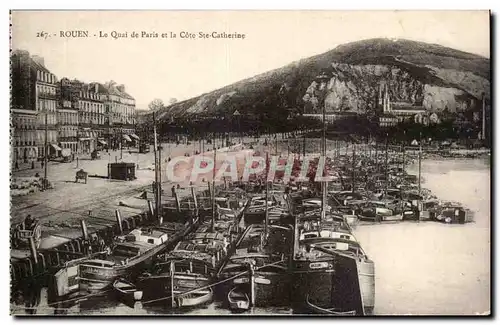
(246, 245)
(261, 243)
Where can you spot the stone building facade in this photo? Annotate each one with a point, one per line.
(67, 114)
(120, 109)
(74, 115)
(34, 105)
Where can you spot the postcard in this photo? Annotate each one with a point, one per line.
(250, 162)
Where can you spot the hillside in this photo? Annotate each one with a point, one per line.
(435, 77)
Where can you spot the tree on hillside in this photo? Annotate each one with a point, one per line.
(156, 104)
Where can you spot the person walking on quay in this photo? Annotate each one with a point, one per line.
(173, 190)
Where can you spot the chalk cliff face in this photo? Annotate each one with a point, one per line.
(356, 88)
(350, 78)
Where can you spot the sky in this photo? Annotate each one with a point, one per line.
(183, 68)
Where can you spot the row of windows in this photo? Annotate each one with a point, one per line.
(122, 100)
(93, 96)
(51, 119)
(68, 132)
(92, 107)
(69, 145)
(122, 109)
(51, 136)
(46, 77)
(43, 89)
(123, 120)
(18, 143)
(24, 122)
(27, 138)
(67, 118)
(46, 105)
(92, 119)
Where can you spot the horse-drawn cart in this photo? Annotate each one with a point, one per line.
(22, 233)
(95, 155)
(81, 174)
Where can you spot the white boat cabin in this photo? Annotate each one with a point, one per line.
(326, 234)
(150, 236)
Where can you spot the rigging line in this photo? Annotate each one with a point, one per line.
(210, 285)
(80, 298)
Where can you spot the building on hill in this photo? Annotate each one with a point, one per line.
(394, 112)
(388, 120)
(330, 118)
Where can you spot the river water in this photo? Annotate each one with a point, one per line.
(425, 268)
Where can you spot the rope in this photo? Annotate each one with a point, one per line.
(210, 285)
(79, 298)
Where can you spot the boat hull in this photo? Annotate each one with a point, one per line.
(98, 278)
(126, 292)
(271, 289)
(238, 299)
(95, 278)
(159, 287)
(334, 287)
(194, 299)
(366, 275)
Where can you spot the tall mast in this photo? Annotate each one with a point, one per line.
(483, 131)
(353, 166)
(323, 154)
(304, 147)
(276, 143)
(419, 174)
(156, 187)
(266, 224)
(386, 163)
(158, 207)
(45, 158)
(213, 189)
(370, 147)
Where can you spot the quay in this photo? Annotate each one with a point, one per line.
(139, 212)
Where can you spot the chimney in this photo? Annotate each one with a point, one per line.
(96, 85)
(121, 88)
(38, 59)
(22, 54)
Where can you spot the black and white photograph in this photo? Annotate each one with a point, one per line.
(248, 163)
